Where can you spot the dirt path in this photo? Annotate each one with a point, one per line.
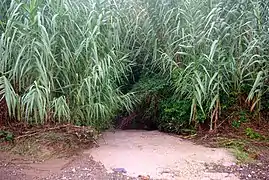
(152, 153)
(160, 156)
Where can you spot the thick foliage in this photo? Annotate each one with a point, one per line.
(67, 60)
(174, 116)
(63, 60)
(219, 49)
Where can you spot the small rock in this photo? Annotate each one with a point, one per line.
(141, 177)
(249, 176)
(73, 170)
(119, 170)
(252, 172)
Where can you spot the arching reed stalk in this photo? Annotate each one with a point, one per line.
(69, 58)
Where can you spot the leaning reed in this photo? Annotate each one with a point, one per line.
(66, 60)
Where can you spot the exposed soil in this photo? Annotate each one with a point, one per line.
(145, 153)
(254, 164)
(246, 171)
(159, 155)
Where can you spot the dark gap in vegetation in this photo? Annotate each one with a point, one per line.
(4, 116)
(134, 121)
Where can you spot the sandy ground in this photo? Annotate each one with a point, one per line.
(160, 156)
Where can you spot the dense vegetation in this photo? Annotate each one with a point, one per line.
(85, 61)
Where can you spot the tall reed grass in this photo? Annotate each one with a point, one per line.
(67, 60)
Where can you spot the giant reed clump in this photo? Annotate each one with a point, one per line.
(67, 60)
